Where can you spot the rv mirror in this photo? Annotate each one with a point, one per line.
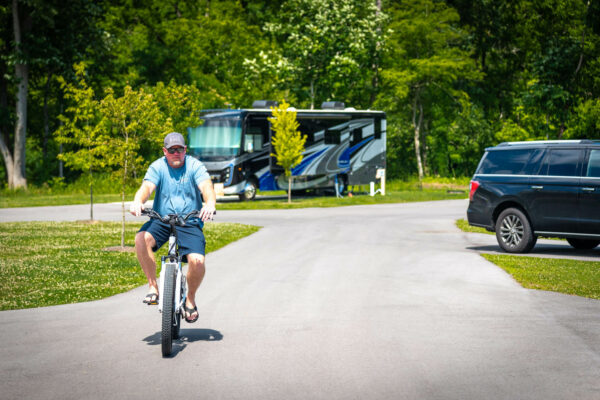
(249, 144)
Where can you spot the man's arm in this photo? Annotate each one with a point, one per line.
(141, 196)
(210, 199)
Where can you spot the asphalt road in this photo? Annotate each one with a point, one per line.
(367, 302)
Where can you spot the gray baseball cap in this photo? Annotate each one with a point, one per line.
(174, 139)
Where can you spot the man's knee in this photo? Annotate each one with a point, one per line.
(195, 260)
(144, 240)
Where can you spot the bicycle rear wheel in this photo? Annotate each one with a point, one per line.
(167, 333)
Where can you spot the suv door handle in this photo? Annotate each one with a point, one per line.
(588, 189)
(535, 187)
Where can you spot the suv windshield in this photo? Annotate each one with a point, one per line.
(216, 138)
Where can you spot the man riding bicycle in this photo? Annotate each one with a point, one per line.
(181, 182)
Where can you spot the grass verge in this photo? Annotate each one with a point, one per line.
(396, 192)
(50, 263)
(581, 278)
(464, 226)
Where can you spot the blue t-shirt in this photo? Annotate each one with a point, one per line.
(177, 189)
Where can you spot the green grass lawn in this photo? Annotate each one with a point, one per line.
(396, 192)
(49, 263)
(581, 278)
(464, 226)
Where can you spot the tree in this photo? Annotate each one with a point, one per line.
(331, 45)
(287, 141)
(15, 162)
(423, 68)
(195, 42)
(39, 41)
(127, 122)
(81, 130)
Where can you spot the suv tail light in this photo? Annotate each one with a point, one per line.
(474, 186)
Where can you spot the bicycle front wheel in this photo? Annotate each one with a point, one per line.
(168, 309)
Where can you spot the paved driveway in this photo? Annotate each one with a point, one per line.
(377, 302)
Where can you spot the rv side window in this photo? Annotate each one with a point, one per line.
(307, 128)
(356, 136)
(256, 135)
(378, 126)
(333, 136)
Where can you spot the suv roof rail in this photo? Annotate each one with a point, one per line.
(536, 142)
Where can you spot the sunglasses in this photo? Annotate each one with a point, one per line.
(177, 150)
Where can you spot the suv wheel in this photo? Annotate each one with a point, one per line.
(513, 231)
(583, 244)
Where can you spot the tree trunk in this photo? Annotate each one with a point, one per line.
(417, 128)
(290, 189)
(4, 149)
(312, 94)
(46, 120)
(22, 78)
(375, 66)
(8, 160)
(123, 197)
(60, 150)
(91, 182)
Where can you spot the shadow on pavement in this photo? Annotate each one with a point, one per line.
(186, 336)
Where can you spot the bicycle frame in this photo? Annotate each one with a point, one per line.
(175, 259)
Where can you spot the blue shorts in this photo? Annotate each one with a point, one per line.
(189, 237)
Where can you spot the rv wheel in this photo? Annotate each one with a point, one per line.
(249, 191)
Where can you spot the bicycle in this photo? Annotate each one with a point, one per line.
(172, 284)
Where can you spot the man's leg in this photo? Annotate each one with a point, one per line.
(144, 242)
(195, 275)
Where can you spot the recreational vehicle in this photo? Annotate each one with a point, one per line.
(343, 147)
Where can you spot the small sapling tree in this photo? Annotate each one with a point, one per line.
(287, 141)
(127, 122)
(79, 130)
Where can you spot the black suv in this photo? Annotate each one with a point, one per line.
(523, 190)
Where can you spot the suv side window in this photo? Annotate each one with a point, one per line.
(562, 162)
(506, 162)
(593, 168)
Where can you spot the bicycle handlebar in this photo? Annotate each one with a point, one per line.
(176, 219)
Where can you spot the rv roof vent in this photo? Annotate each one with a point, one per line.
(264, 104)
(332, 105)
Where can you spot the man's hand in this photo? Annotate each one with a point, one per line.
(136, 208)
(207, 212)
(140, 198)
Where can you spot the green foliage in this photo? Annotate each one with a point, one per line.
(424, 71)
(127, 122)
(328, 48)
(585, 122)
(287, 141)
(453, 76)
(80, 129)
(182, 103)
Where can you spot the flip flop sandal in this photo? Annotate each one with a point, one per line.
(190, 311)
(151, 299)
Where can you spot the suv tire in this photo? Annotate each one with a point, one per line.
(583, 244)
(513, 231)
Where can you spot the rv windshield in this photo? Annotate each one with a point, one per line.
(217, 138)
